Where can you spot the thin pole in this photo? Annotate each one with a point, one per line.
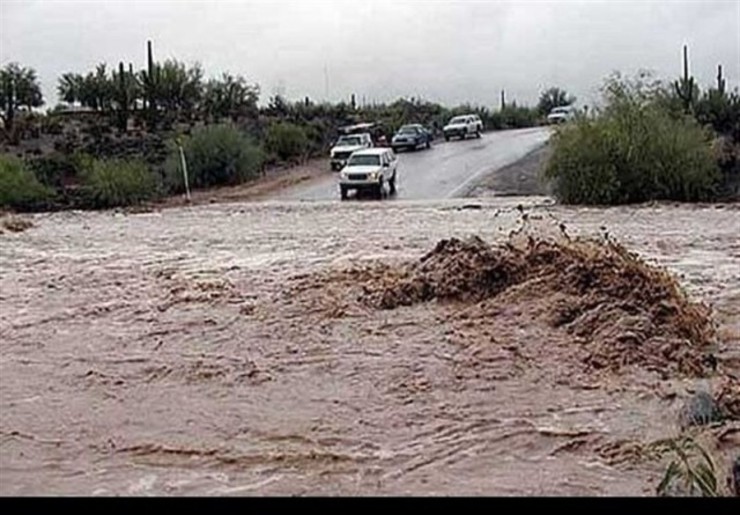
(184, 166)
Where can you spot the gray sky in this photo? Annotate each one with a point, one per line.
(442, 50)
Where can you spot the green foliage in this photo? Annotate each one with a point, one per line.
(721, 111)
(230, 96)
(633, 151)
(116, 182)
(216, 155)
(514, 117)
(19, 188)
(19, 87)
(552, 98)
(286, 141)
(178, 87)
(691, 472)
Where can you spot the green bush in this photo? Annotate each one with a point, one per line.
(514, 117)
(215, 155)
(117, 182)
(286, 141)
(19, 187)
(632, 151)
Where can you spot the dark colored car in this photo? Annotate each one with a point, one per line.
(411, 137)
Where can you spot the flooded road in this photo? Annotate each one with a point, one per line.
(447, 170)
(222, 350)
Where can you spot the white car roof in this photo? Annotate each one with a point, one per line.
(371, 152)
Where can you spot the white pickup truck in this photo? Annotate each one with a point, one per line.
(461, 126)
(346, 145)
(371, 170)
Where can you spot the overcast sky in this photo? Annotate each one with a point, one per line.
(442, 50)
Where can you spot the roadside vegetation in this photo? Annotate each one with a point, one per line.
(646, 143)
(115, 122)
(650, 141)
(217, 155)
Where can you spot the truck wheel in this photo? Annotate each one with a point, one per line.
(379, 190)
(429, 144)
(392, 185)
(447, 138)
(343, 192)
(477, 133)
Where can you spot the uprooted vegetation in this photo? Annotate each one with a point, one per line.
(622, 310)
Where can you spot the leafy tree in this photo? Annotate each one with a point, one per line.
(95, 90)
(19, 89)
(552, 98)
(70, 87)
(230, 96)
(179, 88)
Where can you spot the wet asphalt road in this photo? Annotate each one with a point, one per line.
(447, 170)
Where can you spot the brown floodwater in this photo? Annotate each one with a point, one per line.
(227, 350)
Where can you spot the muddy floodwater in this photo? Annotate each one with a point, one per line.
(209, 351)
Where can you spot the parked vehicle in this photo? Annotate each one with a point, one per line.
(375, 129)
(370, 170)
(462, 126)
(411, 137)
(346, 145)
(561, 114)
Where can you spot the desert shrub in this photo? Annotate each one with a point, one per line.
(215, 155)
(286, 141)
(116, 182)
(19, 188)
(55, 169)
(632, 151)
(514, 117)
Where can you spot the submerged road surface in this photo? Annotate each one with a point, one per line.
(447, 170)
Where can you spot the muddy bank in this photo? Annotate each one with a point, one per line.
(274, 181)
(232, 350)
(522, 178)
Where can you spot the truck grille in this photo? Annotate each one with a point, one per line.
(357, 177)
(342, 155)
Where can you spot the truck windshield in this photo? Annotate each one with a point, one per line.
(346, 141)
(456, 121)
(408, 130)
(364, 160)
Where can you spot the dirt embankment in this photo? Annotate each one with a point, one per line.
(274, 181)
(522, 178)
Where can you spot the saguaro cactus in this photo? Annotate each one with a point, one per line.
(150, 81)
(686, 86)
(503, 99)
(721, 83)
(122, 97)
